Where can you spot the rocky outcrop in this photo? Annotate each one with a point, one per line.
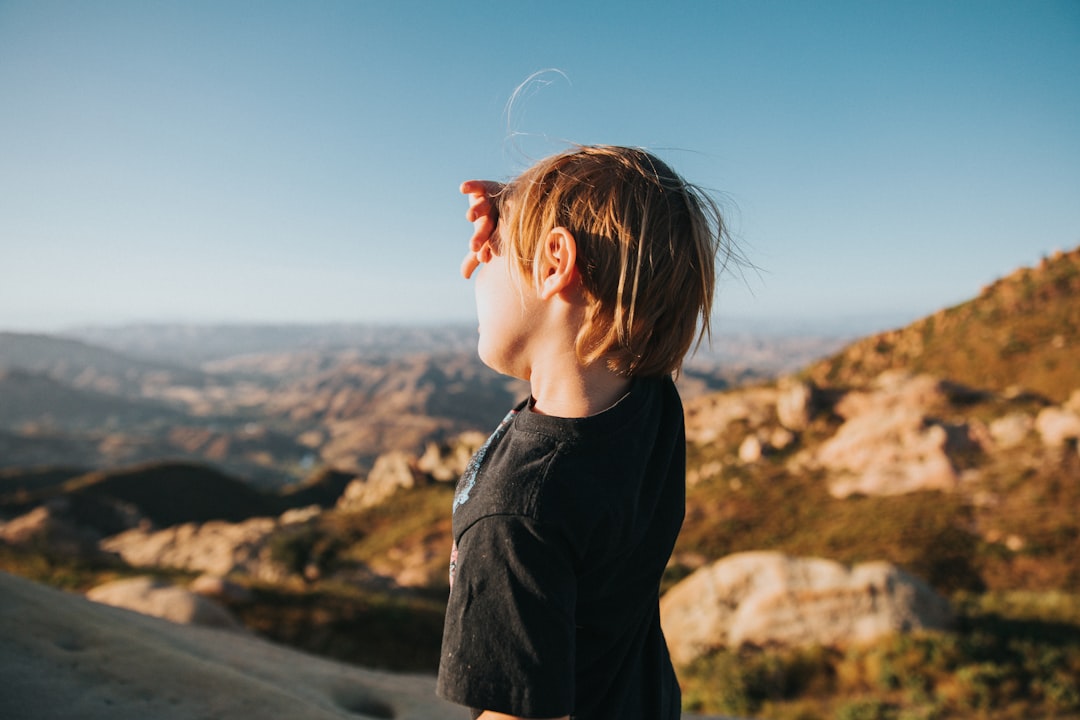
(216, 547)
(47, 531)
(889, 443)
(1059, 426)
(767, 598)
(68, 526)
(1021, 331)
(445, 462)
(64, 657)
(157, 598)
(398, 470)
(1010, 431)
(795, 403)
(392, 471)
(709, 418)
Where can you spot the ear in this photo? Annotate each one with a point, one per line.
(558, 263)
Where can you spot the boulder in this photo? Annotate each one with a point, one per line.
(895, 389)
(154, 597)
(767, 598)
(889, 444)
(64, 657)
(709, 416)
(1058, 425)
(1010, 430)
(392, 471)
(446, 462)
(1073, 403)
(795, 404)
(764, 442)
(750, 450)
(216, 547)
(888, 454)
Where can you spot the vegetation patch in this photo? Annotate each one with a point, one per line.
(1013, 656)
(764, 507)
(394, 631)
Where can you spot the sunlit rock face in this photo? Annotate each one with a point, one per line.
(768, 598)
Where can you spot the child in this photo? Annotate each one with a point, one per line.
(594, 269)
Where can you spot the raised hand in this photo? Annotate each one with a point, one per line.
(484, 216)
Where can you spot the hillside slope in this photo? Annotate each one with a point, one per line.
(166, 493)
(29, 398)
(1020, 332)
(87, 366)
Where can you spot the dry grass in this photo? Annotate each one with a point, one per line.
(1022, 331)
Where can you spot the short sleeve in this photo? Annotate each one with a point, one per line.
(508, 640)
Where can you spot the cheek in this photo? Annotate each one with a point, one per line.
(490, 297)
(495, 289)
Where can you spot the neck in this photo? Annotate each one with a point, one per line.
(575, 394)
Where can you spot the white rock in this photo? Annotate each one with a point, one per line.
(767, 598)
(299, 516)
(215, 547)
(750, 450)
(781, 439)
(794, 404)
(1010, 430)
(447, 462)
(154, 597)
(1057, 425)
(887, 454)
(392, 471)
(888, 444)
(707, 417)
(1073, 403)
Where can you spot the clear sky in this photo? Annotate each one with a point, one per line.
(217, 161)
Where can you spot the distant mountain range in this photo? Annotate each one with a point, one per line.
(272, 403)
(759, 347)
(193, 345)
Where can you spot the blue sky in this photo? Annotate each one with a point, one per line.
(299, 162)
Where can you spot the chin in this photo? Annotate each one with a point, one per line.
(498, 363)
(486, 356)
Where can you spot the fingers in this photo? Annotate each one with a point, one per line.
(475, 259)
(480, 193)
(482, 232)
(483, 214)
(479, 206)
(469, 265)
(481, 187)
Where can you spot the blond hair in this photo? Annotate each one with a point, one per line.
(646, 250)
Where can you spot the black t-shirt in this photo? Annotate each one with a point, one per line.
(562, 529)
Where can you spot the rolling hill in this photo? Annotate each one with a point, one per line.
(88, 366)
(1022, 333)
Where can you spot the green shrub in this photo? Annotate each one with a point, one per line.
(986, 686)
(742, 682)
(1012, 656)
(867, 710)
(303, 547)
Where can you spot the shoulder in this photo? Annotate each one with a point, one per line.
(510, 476)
